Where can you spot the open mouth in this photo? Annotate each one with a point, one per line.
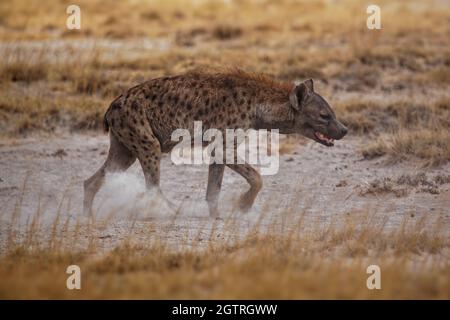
(329, 142)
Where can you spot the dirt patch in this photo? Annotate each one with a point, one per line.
(45, 174)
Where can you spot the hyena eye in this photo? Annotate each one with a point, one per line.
(325, 116)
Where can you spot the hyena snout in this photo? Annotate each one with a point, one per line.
(342, 131)
(337, 130)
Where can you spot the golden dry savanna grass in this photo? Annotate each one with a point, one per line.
(292, 258)
(53, 78)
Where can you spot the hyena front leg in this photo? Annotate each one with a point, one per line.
(215, 177)
(254, 180)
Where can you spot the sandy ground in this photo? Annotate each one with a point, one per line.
(44, 175)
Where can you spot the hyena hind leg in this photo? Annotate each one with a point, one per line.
(254, 180)
(148, 151)
(119, 159)
(215, 177)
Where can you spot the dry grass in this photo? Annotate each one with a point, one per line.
(432, 146)
(391, 115)
(405, 183)
(408, 60)
(264, 37)
(294, 260)
(23, 114)
(401, 129)
(381, 186)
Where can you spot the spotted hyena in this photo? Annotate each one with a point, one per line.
(140, 123)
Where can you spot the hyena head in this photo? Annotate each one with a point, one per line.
(314, 117)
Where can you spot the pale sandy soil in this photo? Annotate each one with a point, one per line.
(42, 174)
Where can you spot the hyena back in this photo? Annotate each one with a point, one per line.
(141, 121)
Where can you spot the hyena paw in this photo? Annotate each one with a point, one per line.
(214, 212)
(245, 203)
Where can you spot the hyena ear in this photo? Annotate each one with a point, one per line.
(310, 84)
(299, 94)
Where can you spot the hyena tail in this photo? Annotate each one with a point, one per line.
(114, 105)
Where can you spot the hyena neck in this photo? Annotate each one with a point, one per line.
(275, 116)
